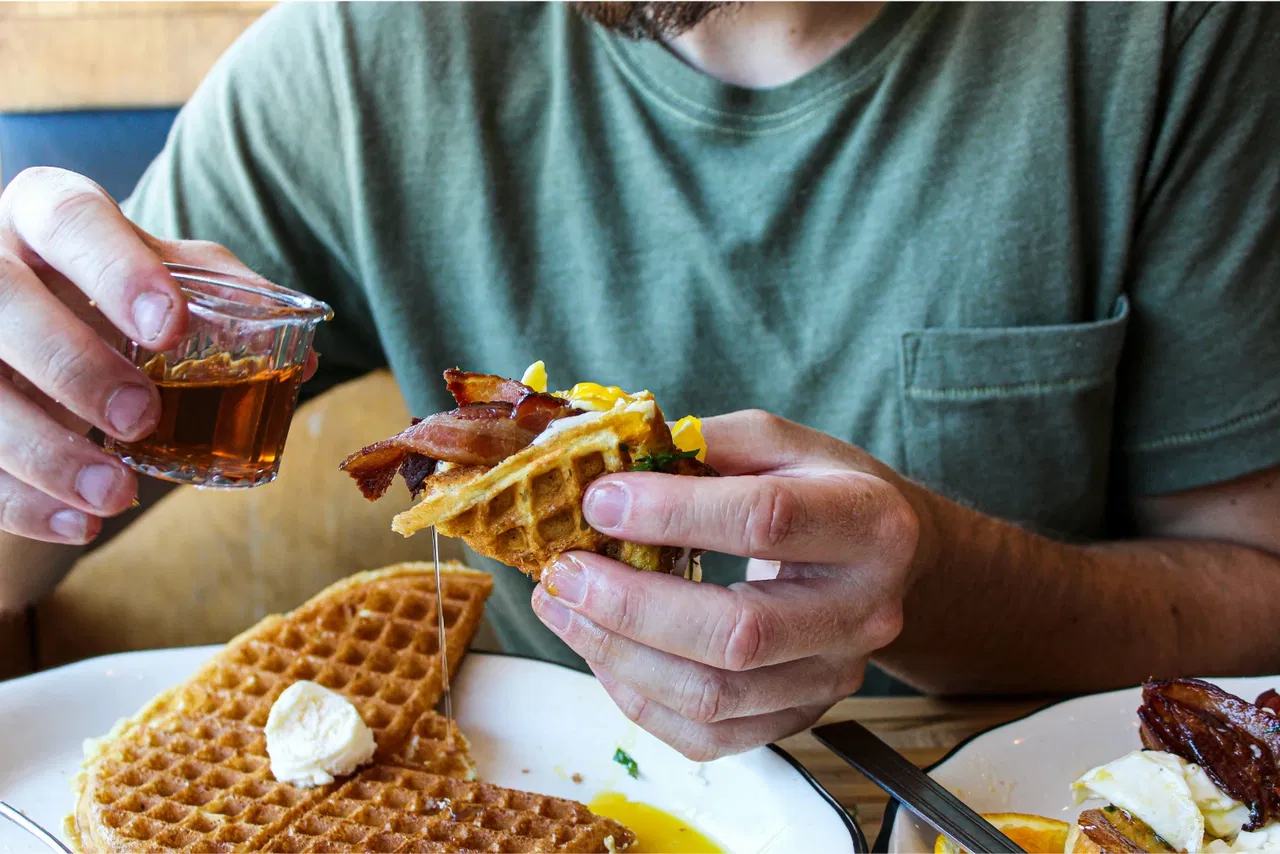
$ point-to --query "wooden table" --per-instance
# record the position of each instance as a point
(922, 729)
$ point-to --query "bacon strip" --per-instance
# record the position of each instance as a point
(467, 388)
(415, 469)
(1236, 742)
(536, 410)
(479, 434)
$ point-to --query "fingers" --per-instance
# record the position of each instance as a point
(753, 441)
(29, 513)
(739, 628)
(838, 517)
(703, 742)
(701, 693)
(46, 457)
(43, 340)
(73, 226)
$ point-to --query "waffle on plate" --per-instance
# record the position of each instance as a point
(190, 771)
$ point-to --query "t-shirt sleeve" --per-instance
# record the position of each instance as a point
(1199, 390)
(258, 161)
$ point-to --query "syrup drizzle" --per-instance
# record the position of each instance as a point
(444, 651)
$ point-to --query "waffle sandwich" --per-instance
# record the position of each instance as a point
(507, 470)
(191, 772)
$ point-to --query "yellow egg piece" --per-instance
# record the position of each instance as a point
(655, 830)
(687, 434)
(594, 397)
(535, 376)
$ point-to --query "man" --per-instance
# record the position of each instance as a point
(1015, 267)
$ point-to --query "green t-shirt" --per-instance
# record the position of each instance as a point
(1026, 254)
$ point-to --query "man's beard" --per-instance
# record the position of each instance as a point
(647, 20)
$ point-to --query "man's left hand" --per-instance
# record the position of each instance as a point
(714, 671)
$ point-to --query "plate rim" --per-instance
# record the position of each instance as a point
(881, 844)
(856, 835)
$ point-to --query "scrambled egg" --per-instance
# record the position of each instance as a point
(593, 397)
(687, 434)
(535, 376)
(1175, 798)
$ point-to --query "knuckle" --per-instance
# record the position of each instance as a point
(707, 743)
(70, 368)
(899, 528)
(69, 215)
(747, 637)
(770, 519)
(884, 626)
(699, 750)
(851, 682)
(705, 698)
(25, 181)
(12, 510)
(629, 611)
(30, 457)
(759, 419)
(633, 706)
(600, 647)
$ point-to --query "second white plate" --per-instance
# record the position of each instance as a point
(1028, 765)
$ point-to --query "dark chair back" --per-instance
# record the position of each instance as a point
(113, 147)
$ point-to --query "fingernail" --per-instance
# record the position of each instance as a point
(551, 612)
(96, 482)
(126, 407)
(567, 582)
(150, 310)
(69, 524)
(606, 505)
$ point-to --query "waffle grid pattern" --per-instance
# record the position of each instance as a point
(195, 784)
(392, 809)
(377, 647)
(527, 510)
(534, 520)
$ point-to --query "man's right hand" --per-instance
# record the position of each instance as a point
(76, 275)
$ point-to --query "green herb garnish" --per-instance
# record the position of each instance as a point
(620, 756)
(659, 461)
(1274, 728)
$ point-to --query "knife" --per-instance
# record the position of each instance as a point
(916, 790)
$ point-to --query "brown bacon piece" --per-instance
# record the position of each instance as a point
(415, 469)
(479, 434)
(536, 410)
(1236, 742)
(467, 388)
(1113, 830)
(1269, 699)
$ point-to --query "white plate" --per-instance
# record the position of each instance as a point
(1028, 766)
(518, 714)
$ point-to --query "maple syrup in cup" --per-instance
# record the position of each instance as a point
(228, 389)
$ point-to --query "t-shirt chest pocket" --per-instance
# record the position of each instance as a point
(1015, 422)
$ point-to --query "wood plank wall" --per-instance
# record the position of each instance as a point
(73, 55)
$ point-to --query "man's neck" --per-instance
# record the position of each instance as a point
(763, 45)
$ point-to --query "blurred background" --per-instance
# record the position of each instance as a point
(94, 88)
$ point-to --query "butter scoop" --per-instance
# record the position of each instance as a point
(314, 734)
